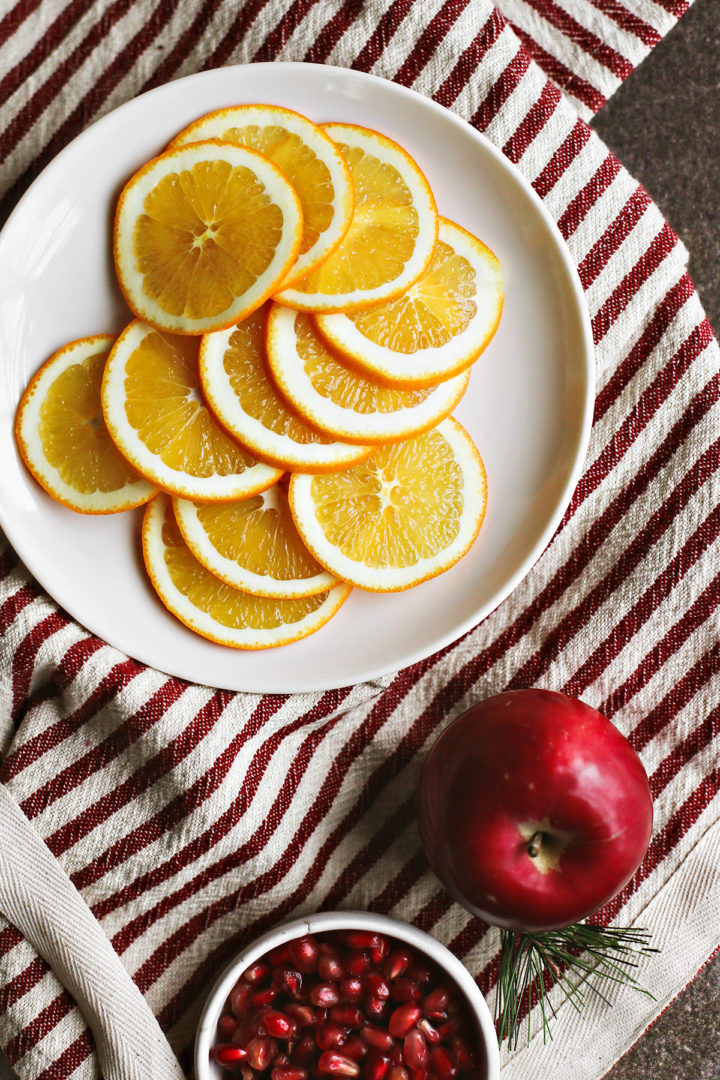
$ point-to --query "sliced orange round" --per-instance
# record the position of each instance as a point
(332, 397)
(203, 235)
(253, 545)
(239, 390)
(218, 611)
(156, 415)
(437, 328)
(405, 515)
(62, 435)
(391, 236)
(305, 155)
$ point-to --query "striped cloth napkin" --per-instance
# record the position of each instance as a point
(190, 819)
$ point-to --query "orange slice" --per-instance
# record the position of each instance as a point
(203, 235)
(391, 236)
(156, 415)
(405, 515)
(239, 390)
(305, 155)
(339, 401)
(253, 545)
(437, 328)
(62, 435)
(218, 611)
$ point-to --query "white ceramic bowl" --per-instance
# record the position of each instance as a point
(205, 1069)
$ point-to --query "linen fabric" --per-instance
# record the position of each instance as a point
(190, 819)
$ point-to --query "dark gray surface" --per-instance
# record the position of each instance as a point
(684, 1043)
(664, 125)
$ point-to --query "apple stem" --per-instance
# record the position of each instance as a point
(535, 844)
(532, 963)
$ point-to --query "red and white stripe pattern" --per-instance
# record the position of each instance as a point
(191, 819)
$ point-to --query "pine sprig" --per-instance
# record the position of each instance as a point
(531, 964)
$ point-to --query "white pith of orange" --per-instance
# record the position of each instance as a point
(62, 435)
(157, 417)
(253, 545)
(406, 514)
(305, 155)
(240, 391)
(203, 235)
(215, 610)
(391, 236)
(438, 328)
(337, 399)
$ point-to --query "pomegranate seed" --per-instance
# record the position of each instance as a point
(436, 1002)
(265, 996)
(463, 1054)
(260, 1052)
(379, 952)
(329, 966)
(347, 1003)
(376, 1036)
(416, 1050)
(288, 981)
(279, 956)
(244, 1032)
(403, 1019)
(332, 1064)
(357, 963)
(257, 974)
(351, 988)
(442, 1064)
(330, 1035)
(228, 1054)
(428, 1030)
(277, 1024)
(396, 1054)
(355, 1048)
(304, 952)
(377, 986)
(405, 990)
(325, 994)
(397, 963)
(420, 973)
(377, 1066)
(364, 939)
(258, 1019)
(376, 1009)
(226, 1026)
(303, 1015)
(288, 1072)
(448, 1029)
(239, 999)
(303, 1051)
(349, 1015)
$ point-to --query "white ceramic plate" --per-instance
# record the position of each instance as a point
(529, 405)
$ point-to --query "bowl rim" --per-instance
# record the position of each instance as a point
(342, 920)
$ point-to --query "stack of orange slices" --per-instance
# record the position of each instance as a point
(305, 324)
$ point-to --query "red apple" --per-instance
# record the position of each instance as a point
(534, 810)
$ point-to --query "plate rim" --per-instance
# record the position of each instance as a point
(588, 369)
